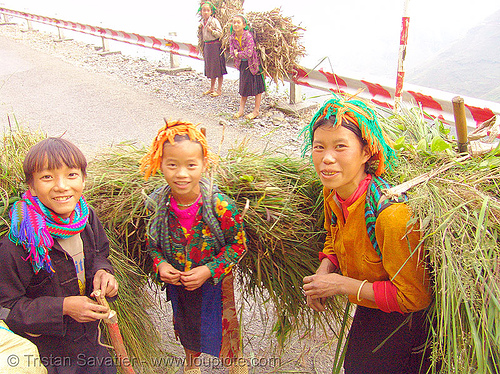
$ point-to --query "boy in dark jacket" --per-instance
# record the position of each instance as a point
(54, 258)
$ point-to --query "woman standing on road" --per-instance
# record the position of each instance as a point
(210, 30)
(246, 60)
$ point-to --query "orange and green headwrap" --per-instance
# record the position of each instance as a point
(356, 112)
(212, 6)
(151, 162)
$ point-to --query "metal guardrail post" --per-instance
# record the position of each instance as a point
(60, 33)
(6, 19)
(174, 59)
(295, 93)
(105, 44)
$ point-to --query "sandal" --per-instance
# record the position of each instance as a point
(215, 94)
(209, 92)
(251, 116)
(237, 115)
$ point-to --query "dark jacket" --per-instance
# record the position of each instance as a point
(36, 301)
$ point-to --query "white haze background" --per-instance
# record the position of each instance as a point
(360, 37)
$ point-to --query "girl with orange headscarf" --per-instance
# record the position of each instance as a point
(195, 237)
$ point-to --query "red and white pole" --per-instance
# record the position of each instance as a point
(401, 58)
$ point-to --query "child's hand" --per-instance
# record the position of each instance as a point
(106, 282)
(169, 274)
(195, 278)
(82, 309)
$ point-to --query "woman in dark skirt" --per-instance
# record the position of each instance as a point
(246, 60)
(210, 30)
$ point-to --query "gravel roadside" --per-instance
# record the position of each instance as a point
(181, 93)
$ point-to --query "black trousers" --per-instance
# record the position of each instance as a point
(405, 352)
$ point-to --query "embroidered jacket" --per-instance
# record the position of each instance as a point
(198, 246)
(246, 51)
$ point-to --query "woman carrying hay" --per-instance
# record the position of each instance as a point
(210, 30)
(242, 49)
(371, 252)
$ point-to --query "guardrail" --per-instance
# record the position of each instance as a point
(436, 104)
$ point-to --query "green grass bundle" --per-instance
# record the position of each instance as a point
(282, 224)
(458, 206)
(284, 228)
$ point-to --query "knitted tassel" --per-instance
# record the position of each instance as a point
(151, 162)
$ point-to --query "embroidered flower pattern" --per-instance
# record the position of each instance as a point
(206, 231)
(200, 243)
(180, 258)
(240, 237)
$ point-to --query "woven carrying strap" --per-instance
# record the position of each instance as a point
(375, 203)
(159, 203)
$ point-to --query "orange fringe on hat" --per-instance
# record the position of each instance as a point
(151, 162)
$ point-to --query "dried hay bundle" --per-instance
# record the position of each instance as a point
(278, 43)
(277, 38)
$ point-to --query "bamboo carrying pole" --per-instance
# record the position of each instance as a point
(115, 335)
(460, 123)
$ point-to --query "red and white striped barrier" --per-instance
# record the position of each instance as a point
(166, 45)
(436, 104)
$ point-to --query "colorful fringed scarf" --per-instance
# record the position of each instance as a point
(34, 226)
(358, 113)
(151, 162)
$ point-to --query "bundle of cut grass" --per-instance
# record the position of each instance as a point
(139, 334)
(457, 203)
(282, 192)
(284, 230)
(15, 144)
(116, 190)
(277, 38)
